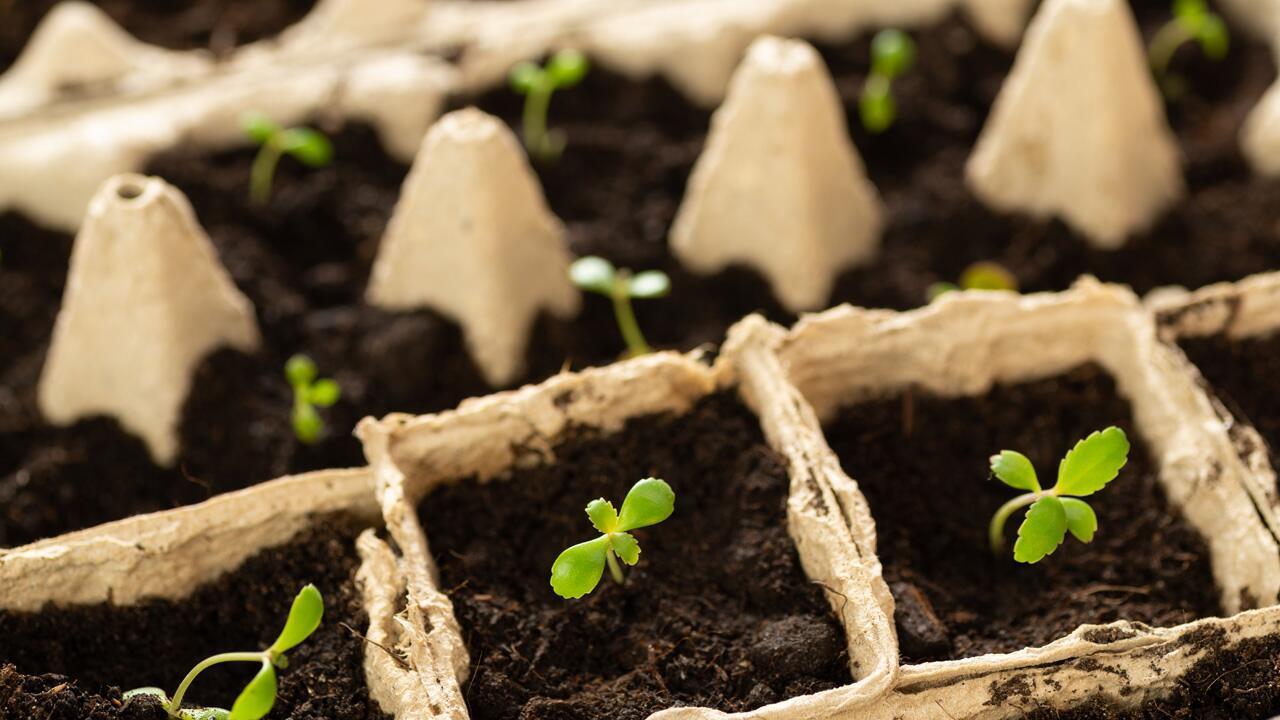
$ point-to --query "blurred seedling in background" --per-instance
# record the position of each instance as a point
(577, 571)
(892, 53)
(537, 83)
(1192, 21)
(309, 393)
(306, 145)
(598, 275)
(984, 275)
(259, 696)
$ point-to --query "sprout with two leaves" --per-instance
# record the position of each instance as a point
(982, 275)
(258, 697)
(1192, 21)
(306, 145)
(892, 53)
(577, 571)
(309, 393)
(1086, 469)
(537, 83)
(598, 275)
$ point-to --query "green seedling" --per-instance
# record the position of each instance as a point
(306, 145)
(1086, 469)
(577, 571)
(600, 276)
(257, 698)
(1192, 21)
(309, 393)
(892, 53)
(984, 275)
(537, 83)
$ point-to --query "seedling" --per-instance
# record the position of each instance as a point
(1192, 21)
(578, 570)
(563, 70)
(984, 275)
(600, 276)
(1086, 469)
(257, 698)
(892, 53)
(306, 145)
(309, 394)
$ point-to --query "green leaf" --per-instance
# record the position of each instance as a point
(988, 275)
(626, 547)
(148, 691)
(567, 68)
(258, 127)
(1015, 470)
(307, 424)
(304, 618)
(310, 147)
(258, 696)
(938, 289)
(593, 273)
(893, 52)
(649, 502)
(1081, 520)
(578, 569)
(324, 393)
(1043, 530)
(603, 517)
(207, 713)
(525, 77)
(649, 284)
(1092, 463)
(300, 371)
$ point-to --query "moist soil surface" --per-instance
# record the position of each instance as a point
(217, 25)
(70, 663)
(1240, 372)
(922, 462)
(717, 613)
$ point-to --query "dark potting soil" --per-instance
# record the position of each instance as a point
(922, 462)
(718, 612)
(70, 663)
(217, 25)
(1231, 682)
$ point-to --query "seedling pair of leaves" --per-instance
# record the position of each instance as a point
(1086, 469)
(1192, 21)
(595, 274)
(309, 393)
(538, 83)
(577, 571)
(306, 145)
(259, 696)
(983, 275)
(892, 53)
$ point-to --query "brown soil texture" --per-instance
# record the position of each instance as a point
(717, 613)
(922, 462)
(73, 661)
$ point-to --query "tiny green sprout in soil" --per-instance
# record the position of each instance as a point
(537, 83)
(893, 52)
(982, 275)
(306, 145)
(577, 571)
(1192, 21)
(309, 393)
(598, 275)
(258, 697)
(1086, 469)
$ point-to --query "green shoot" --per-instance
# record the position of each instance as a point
(892, 53)
(1086, 469)
(307, 146)
(578, 570)
(983, 275)
(600, 276)
(1192, 21)
(563, 70)
(257, 698)
(309, 393)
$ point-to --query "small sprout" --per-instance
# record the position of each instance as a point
(578, 570)
(600, 276)
(1086, 469)
(983, 275)
(309, 394)
(563, 70)
(307, 146)
(892, 53)
(1192, 21)
(257, 698)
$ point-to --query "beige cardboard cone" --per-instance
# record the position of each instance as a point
(780, 186)
(1078, 130)
(472, 238)
(146, 300)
